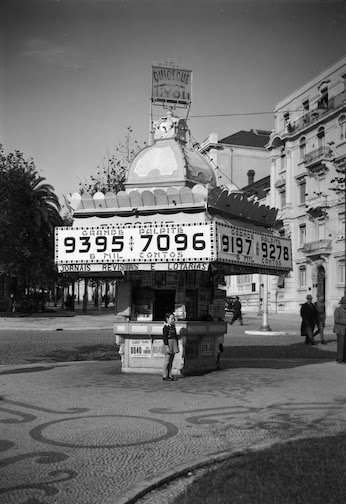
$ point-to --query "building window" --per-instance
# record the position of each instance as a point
(342, 127)
(306, 108)
(321, 137)
(341, 272)
(244, 282)
(341, 233)
(282, 193)
(321, 231)
(302, 235)
(281, 282)
(323, 101)
(306, 105)
(244, 279)
(282, 163)
(302, 148)
(287, 122)
(302, 276)
(302, 191)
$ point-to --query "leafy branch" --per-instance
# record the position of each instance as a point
(112, 171)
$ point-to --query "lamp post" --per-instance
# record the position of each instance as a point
(259, 312)
(265, 325)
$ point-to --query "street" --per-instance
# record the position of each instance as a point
(81, 432)
(26, 347)
(40, 346)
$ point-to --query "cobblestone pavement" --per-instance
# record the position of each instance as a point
(83, 432)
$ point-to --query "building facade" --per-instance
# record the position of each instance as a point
(307, 145)
(240, 159)
(242, 164)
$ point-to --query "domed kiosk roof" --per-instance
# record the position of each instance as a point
(169, 163)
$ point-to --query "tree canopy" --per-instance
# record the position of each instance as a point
(29, 211)
(111, 174)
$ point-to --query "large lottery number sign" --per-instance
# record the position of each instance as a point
(155, 243)
(244, 246)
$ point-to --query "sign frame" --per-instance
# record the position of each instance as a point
(171, 85)
(245, 246)
(137, 244)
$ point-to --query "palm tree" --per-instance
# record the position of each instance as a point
(43, 209)
(45, 206)
(29, 212)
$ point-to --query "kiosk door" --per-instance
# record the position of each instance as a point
(164, 302)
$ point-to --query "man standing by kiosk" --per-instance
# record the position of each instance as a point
(308, 314)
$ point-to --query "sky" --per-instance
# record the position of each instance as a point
(74, 74)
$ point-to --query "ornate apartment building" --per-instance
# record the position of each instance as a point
(306, 147)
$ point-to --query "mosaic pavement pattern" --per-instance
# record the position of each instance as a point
(85, 433)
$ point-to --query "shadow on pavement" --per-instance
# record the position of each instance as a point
(227, 363)
(26, 370)
(98, 352)
(293, 351)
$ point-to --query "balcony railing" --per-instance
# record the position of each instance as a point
(317, 155)
(314, 115)
(317, 247)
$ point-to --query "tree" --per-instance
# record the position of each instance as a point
(111, 174)
(340, 178)
(29, 212)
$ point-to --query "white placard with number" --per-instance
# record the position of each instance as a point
(168, 242)
(238, 245)
(140, 348)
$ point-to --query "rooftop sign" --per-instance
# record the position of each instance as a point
(171, 85)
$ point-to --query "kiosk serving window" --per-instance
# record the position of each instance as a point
(164, 302)
(190, 295)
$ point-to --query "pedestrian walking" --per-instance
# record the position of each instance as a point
(237, 315)
(320, 309)
(170, 340)
(12, 305)
(308, 314)
(340, 330)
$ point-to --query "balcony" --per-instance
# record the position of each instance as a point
(317, 212)
(313, 116)
(317, 248)
(317, 157)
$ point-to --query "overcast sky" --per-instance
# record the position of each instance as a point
(76, 73)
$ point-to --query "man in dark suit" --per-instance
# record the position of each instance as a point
(237, 312)
(308, 314)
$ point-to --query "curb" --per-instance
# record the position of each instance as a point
(272, 333)
(80, 328)
(149, 484)
(279, 333)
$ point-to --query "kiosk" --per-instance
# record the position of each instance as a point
(169, 239)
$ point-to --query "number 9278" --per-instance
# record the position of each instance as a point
(238, 245)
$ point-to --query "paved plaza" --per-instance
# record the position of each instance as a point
(83, 432)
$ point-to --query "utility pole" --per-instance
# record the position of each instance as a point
(265, 325)
(259, 313)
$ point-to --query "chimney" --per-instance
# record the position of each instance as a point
(251, 176)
